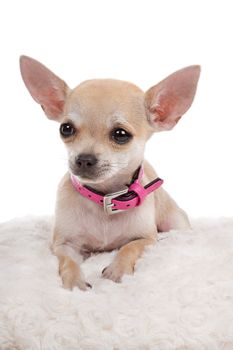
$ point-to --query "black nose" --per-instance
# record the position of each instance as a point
(85, 161)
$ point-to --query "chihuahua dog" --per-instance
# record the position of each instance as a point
(111, 197)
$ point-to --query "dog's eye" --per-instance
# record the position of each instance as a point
(121, 136)
(67, 130)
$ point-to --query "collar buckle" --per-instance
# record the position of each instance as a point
(108, 205)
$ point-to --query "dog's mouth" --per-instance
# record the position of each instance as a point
(96, 174)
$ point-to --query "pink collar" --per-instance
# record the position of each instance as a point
(130, 197)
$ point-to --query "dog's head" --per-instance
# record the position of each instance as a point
(106, 123)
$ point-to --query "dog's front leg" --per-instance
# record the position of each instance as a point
(126, 258)
(69, 265)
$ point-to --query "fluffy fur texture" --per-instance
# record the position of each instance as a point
(180, 297)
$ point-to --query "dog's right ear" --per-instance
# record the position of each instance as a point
(45, 87)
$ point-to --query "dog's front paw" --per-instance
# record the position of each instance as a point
(116, 270)
(71, 280)
(72, 276)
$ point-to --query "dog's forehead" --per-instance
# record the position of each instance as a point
(105, 99)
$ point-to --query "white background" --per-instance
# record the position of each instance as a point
(138, 41)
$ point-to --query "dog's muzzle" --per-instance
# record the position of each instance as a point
(85, 165)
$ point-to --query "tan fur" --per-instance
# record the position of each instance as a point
(126, 258)
(70, 273)
(95, 108)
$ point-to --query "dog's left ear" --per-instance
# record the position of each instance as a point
(167, 101)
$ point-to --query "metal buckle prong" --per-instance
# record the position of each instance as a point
(108, 205)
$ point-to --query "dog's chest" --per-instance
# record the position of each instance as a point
(94, 230)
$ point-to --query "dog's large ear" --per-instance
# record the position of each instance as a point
(45, 87)
(167, 101)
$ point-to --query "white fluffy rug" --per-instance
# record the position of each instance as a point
(180, 297)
